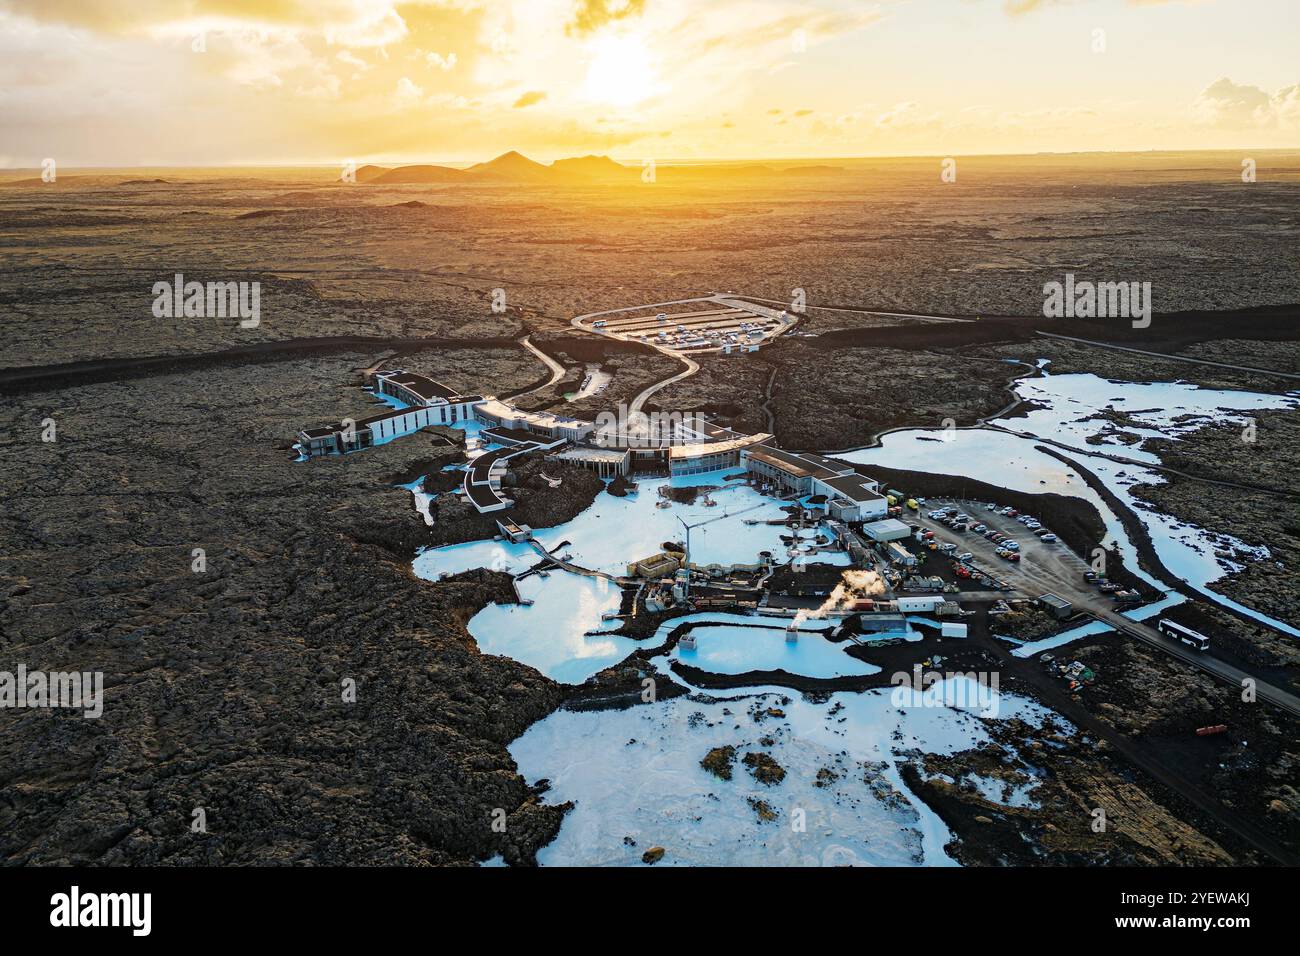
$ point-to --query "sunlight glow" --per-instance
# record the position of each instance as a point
(621, 71)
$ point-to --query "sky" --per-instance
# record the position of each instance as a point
(222, 82)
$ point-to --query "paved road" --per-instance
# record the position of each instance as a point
(692, 367)
(1173, 358)
(1202, 660)
(557, 370)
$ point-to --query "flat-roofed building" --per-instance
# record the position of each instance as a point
(890, 529)
(605, 462)
(1056, 605)
(414, 389)
(792, 471)
(353, 435)
(495, 413)
(660, 565)
(701, 457)
(425, 402)
(850, 496)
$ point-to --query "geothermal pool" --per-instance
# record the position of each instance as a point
(739, 649)
(552, 634)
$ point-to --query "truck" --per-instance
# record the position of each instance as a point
(911, 503)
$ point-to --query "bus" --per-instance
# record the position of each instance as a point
(1178, 632)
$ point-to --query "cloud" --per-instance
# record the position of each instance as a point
(591, 15)
(897, 114)
(440, 61)
(408, 92)
(1017, 8)
(803, 112)
(340, 22)
(1238, 105)
(352, 60)
(530, 98)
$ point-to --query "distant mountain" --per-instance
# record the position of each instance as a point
(512, 165)
(416, 174)
(366, 173)
(591, 167)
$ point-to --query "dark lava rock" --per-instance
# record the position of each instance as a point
(764, 769)
(719, 761)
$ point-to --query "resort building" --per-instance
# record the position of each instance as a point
(850, 496)
(349, 435)
(677, 445)
(417, 390)
(605, 462)
(482, 484)
(494, 413)
(711, 455)
(426, 403)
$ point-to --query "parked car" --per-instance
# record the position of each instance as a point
(965, 556)
(1049, 537)
(980, 528)
(1011, 545)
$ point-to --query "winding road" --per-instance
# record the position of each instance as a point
(557, 370)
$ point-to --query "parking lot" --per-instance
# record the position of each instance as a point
(713, 323)
(1043, 566)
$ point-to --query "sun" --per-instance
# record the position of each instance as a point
(622, 71)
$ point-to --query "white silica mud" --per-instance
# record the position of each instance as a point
(636, 780)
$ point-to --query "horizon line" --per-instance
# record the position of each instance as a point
(671, 161)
